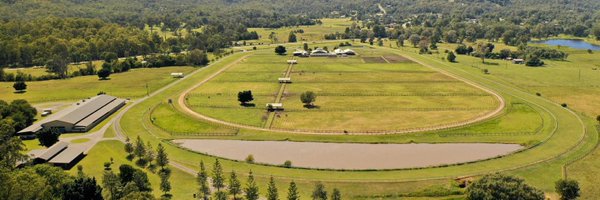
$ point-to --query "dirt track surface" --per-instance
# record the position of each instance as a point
(347, 155)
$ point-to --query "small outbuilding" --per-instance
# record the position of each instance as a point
(518, 61)
(300, 53)
(177, 75)
(292, 61)
(285, 80)
(274, 106)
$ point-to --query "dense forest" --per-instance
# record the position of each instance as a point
(36, 32)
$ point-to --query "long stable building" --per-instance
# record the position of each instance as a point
(60, 154)
(81, 117)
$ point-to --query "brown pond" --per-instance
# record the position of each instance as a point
(349, 156)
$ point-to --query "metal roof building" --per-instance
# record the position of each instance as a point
(60, 154)
(81, 117)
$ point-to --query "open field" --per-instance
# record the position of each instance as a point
(352, 96)
(311, 33)
(130, 84)
(560, 140)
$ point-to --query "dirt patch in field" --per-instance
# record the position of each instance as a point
(396, 59)
(374, 60)
(349, 156)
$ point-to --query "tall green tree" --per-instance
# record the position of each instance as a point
(336, 194)
(308, 98)
(48, 137)
(319, 193)
(272, 193)
(202, 179)
(497, 186)
(293, 192)
(111, 185)
(10, 147)
(292, 37)
(139, 149)
(82, 188)
(234, 185)
(451, 57)
(20, 86)
(165, 184)
(218, 179)
(162, 160)
(567, 189)
(280, 50)
(245, 96)
(251, 189)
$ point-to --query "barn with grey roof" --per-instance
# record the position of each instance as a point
(81, 117)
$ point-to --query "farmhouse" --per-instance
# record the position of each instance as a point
(300, 53)
(285, 80)
(81, 117)
(60, 154)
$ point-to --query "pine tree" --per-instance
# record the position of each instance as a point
(293, 192)
(319, 193)
(272, 190)
(165, 185)
(139, 149)
(150, 155)
(204, 190)
(251, 189)
(162, 159)
(218, 181)
(234, 185)
(336, 194)
(128, 148)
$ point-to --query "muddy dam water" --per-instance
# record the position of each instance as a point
(349, 155)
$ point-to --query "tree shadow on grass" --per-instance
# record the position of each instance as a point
(491, 63)
(20, 92)
(312, 106)
(248, 105)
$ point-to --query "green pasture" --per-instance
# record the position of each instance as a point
(561, 140)
(311, 33)
(355, 96)
(133, 84)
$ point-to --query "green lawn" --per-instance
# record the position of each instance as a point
(130, 84)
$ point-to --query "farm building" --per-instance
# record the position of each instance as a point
(321, 53)
(300, 53)
(347, 52)
(285, 80)
(177, 75)
(81, 117)
(518, 61)
(60, 154)
(275, 106)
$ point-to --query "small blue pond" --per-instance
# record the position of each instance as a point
(576, 44)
